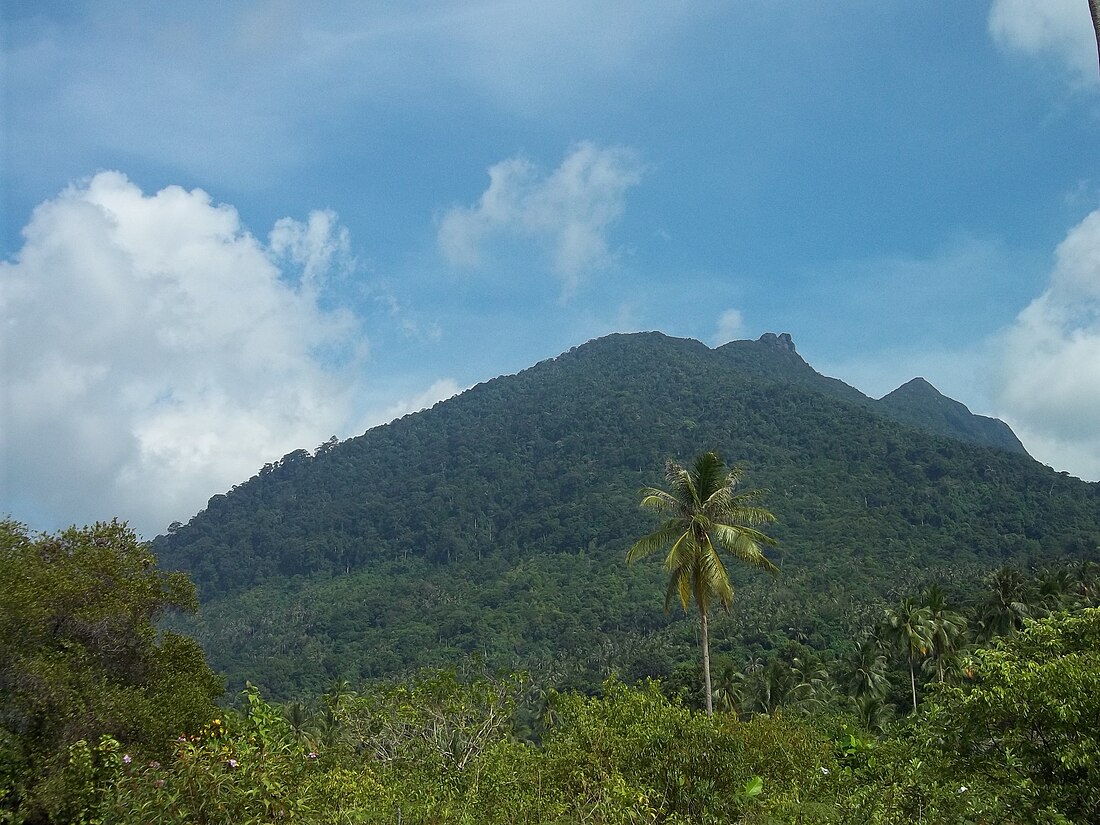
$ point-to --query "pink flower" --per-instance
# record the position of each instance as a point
(312, 754)
(232, 763)
(126, 760)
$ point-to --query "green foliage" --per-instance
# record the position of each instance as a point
(246, 768)
(435, 723)
(1012, 744)
(81, 659)
(516, 505)
(1028, 715)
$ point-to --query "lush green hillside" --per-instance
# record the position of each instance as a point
(497, 522)
(922, 405)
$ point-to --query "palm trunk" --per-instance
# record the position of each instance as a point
(706, 662)
(913, 682)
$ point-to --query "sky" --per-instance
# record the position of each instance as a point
(234, 230)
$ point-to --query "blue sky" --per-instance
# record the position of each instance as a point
(233, 230)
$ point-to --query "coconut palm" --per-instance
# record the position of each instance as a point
(303, 724)
(873, 711)
(1011, 598)
(867, 675)
(909, 626)
(947, 627)
(704, 513)
(813, 684)
(729, 690)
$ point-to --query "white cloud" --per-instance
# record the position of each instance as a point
(1061, 29)
(440, 390)
(567, 212)
(1049, 381)
(731, 325)
(316, 246)
(155, 352)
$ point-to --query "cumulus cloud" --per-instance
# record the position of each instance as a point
(567, 213)
(1050, 373)
(1061, 29)
(155, 352)
(318, 246)
(731, 325)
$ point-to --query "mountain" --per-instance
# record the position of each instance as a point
(496, 523)
(922, 405)
(916, 403)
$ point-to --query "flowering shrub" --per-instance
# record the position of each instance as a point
(242, 768)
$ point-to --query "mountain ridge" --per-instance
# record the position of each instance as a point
(497, 521)
(919, 403)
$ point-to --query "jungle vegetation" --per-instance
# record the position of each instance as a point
(433, 622)
(106, 720)
(495, 524)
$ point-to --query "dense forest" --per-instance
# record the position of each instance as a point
(106, 719)
(436, 621)
(496, 523)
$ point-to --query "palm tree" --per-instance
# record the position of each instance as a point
(909, 626)
(704, 512)
(873, 710)
(729, 690)
(867, 675)
(1011, 598)
(302, 723)
(813, 684)
(947, 628)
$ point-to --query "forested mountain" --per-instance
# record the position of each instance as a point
(497, 522)
(919, 403)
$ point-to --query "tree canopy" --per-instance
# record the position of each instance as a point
(80, 652)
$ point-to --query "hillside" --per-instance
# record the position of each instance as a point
(919, 403)
(496, 522)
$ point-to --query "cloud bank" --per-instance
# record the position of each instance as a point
(154, 352)
(567, 213)
(1049, 388)
(1060, 29)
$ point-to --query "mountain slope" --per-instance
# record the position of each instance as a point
(922, 405)
(497, 521)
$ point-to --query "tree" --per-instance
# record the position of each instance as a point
(1010, 599)
(704, 512)
(867, 675)
(1027, 718)
(909, 627)
(81, 656)
(946, 628)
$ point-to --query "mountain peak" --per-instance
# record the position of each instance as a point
(781, 342)
(918, 402)
(918, 384)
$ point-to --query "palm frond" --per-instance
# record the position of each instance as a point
(744, 543)
(713, 576)
(655, 541)
(709, 476)
(680, 482)
(679, 586)
(653, 498)
(682, 553)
